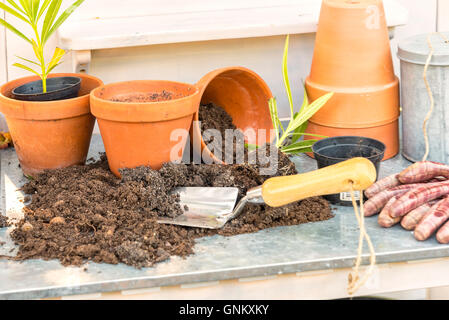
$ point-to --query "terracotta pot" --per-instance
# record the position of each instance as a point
(244, 95)
(139, 133)
(50, 134)
(352, 58)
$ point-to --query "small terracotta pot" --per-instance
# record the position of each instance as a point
(352, 58)
(50, 134)
(139, 133)
(244, 95)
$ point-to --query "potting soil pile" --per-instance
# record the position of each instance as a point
(3, 221)
(85, 213)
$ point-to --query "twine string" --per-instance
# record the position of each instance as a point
(354, 280)
(429, 91)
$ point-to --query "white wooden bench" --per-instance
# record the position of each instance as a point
(147, 22)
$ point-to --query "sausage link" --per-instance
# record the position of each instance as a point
(383, 184)
(417, 197)
(438, 215)
(411, 219)
(423, 171)
(384, 219)
(443, 234)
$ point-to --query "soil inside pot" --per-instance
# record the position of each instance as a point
(147, 97)
(85, 213)
(215, 117)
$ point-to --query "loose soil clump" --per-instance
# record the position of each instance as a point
(84, 213)
(3, 221)
(215, 117)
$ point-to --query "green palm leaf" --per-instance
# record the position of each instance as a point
(15, 5)
(26, 6)
(299, 146)
(289, 142)
(50, 17)
(285, 75)
(43, 8)
(14, 30)
(19, 65)
(59, 53)
(13, 12)
(34, 8)
(28, 60)
(62, 18)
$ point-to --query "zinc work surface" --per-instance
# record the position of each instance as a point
(277, 252)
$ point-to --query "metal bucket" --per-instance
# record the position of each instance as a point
(413, 53)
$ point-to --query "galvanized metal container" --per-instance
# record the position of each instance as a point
(413, 53)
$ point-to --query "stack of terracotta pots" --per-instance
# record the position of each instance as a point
(352, 58)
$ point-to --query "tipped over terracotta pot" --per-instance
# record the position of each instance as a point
(244, 95)
(49, 134)
(137, 119)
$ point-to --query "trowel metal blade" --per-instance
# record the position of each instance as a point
(204, 207)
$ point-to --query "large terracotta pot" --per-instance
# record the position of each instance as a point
(352, 58)
(140, 133)
(50, 134)
(244, 95)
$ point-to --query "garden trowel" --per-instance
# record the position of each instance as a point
(210, 207)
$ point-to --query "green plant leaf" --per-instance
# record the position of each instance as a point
(299, 131)
(51, 68)
(58, 54)
(34, 9)
(307, 113)
(285, 76)
(19, 65)
(14, 30)
(15, 5)
(251, 146)
(62, 18)
(303, 127)
(299, 146)
(26, 7)
(272, 105)
(13, 12)
(298, 152)
(50, 17)
(43, 8)
(309, 134)
(28, 60)
(37, 52)
(305, 101)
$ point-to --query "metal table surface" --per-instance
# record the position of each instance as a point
(323, 245)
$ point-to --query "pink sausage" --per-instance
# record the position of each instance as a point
(438, 215)
(417, 197)
(443, 234)
(383, 184)
(376, 203)
(384, 219)
(423, 171)
(411, 219)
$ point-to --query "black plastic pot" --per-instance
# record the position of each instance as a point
(58, 88)
(337, 149)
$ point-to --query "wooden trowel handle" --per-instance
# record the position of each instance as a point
(337, 178)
